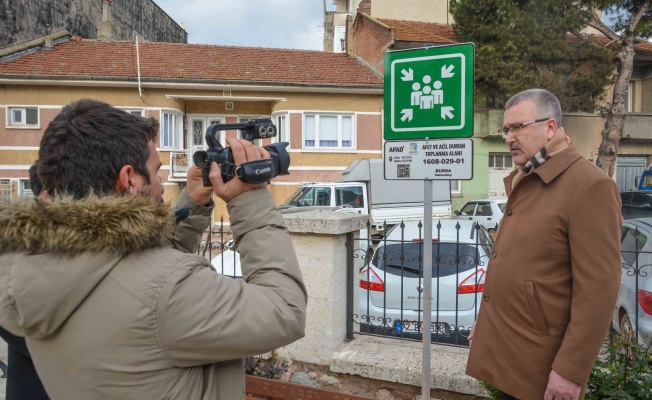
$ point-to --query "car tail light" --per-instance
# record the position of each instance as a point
(370, 280)
(645, 301)
(474, 283)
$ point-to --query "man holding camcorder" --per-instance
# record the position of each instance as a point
(98, 277)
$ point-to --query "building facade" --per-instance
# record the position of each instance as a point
(328, 106)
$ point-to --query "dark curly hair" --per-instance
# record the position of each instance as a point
(86, 145)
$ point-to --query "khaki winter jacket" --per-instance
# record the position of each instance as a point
(552, 280)
(110, 310)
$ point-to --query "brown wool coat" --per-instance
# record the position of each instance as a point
(553, 278)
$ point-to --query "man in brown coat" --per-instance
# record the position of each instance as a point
(554, 271)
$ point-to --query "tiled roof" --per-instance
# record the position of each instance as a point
(182, 61)
(426, 32)
(641, 48)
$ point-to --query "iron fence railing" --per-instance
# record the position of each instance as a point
(385, 281)
(180, 160)
(632, 318)
(217, 247)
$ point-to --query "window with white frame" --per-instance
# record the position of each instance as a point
(23, 116)
(629, 104)
(25, 189)
(282, 128)
(135, 111)
(170, 129)
(497, 160)
(5, 189)
(328, 131)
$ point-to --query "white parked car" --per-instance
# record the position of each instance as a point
(487, 212)
(635, 303)
(390, 286)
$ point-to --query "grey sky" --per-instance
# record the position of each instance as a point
(293, 24)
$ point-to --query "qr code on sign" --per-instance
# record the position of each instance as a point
(403, 170)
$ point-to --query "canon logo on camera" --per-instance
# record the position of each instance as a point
(262, 171)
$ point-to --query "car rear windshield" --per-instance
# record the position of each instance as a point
(447, 259)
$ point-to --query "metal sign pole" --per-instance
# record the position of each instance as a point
(427, 288)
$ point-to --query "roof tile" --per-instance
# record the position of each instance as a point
(182, 61)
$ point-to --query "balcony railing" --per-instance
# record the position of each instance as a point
(180, 160)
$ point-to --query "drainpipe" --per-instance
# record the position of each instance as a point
(140, 90)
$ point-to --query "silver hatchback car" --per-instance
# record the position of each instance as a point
(390, 289)
(633, 312)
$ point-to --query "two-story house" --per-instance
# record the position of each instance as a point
(326, 105)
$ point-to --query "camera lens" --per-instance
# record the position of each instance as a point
(262, 130)
(270, 130)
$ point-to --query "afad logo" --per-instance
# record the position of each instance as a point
(396, 149)
(414, 148)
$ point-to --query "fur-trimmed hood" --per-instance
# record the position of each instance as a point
(53, 254)
(121, 224)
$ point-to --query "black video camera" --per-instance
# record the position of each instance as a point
(253, 172)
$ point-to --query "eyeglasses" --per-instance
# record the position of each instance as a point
(517, 127)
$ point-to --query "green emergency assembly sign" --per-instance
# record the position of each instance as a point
(429, 92)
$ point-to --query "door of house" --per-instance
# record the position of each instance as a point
(500, 165)
(197, 125)
(628, 171)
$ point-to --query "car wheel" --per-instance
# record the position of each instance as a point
(627, 332)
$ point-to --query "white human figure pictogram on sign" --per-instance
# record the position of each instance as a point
(416, 94)
(437, 94)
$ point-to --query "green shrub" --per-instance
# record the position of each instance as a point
(623, 373)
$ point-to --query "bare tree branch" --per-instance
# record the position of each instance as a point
(601, 27)
(636, 18)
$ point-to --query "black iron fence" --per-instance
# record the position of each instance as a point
(217, 246)
(632, 319)
(386, 297)
(385, 293)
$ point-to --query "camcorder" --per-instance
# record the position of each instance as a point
(252, 172)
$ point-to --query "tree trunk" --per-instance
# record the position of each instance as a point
(613, 127)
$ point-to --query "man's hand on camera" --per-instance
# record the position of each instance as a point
(243, 151)
(195, 188)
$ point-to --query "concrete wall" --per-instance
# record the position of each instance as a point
(319, 239)
(23, 20)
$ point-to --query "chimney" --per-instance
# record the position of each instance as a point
(48, 38)
(104, 31)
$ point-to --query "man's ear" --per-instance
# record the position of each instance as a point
(552, 129)
(125, 181)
